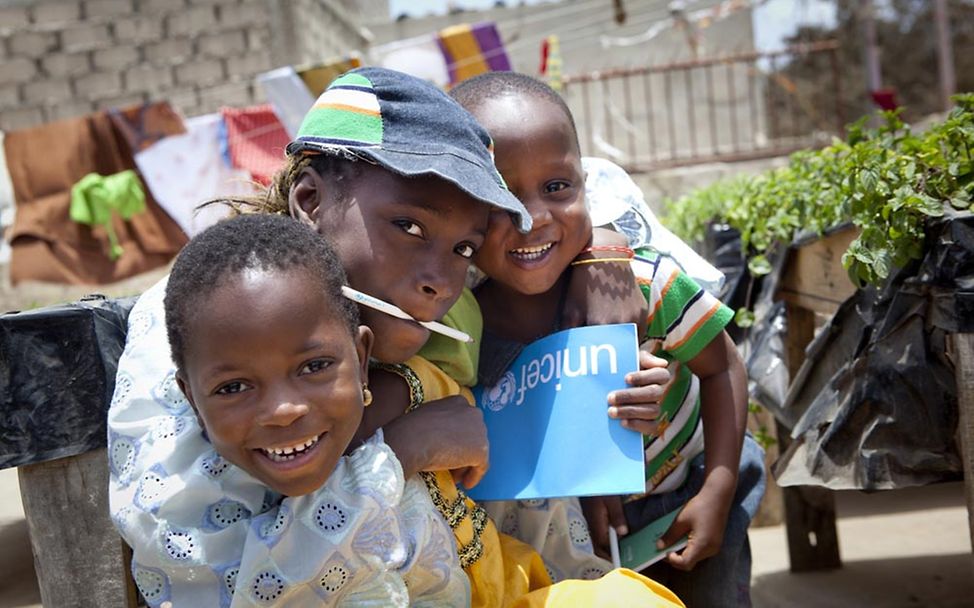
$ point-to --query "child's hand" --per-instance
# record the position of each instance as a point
(446, 434)
(638, 407)
(704, 519)
(600, 513)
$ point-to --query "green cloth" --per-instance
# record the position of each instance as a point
(458, 359)
(96, 198)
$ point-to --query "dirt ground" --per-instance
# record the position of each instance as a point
(31, 295)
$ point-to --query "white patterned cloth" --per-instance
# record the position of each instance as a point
(615, 201)
(183, 171)
(556, 528)
(206, 533)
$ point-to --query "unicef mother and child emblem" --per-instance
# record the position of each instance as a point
(501, 394)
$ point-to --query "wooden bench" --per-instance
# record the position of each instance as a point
(56, 377)
(814, 281)
(79, 557)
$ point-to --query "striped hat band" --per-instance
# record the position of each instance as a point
(346, 114)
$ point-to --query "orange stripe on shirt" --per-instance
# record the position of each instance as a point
(689, 334)
(662, 294)
(347, 108)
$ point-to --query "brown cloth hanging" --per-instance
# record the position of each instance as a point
(144, 124)
(44, 163)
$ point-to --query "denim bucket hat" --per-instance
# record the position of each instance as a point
(409, 127)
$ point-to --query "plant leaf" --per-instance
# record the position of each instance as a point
(744, 318)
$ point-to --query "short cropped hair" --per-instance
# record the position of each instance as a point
(471, 93)
(248, 242)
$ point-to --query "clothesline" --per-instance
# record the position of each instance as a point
(720, 11)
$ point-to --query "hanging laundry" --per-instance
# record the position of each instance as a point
(551, 62)
(97, 199)
(288, 95)
(317, 76)
(420, 57)
(45, 162)
(186, 170)
(473, 49)
(145, 124)
(256, 139)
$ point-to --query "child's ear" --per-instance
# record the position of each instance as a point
(306, 196)
(363, 345)
(184, 386)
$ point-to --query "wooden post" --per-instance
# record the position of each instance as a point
(963, 347)
(78, 554)
(813, 541)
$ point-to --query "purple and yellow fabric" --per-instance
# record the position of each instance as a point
(470, 50)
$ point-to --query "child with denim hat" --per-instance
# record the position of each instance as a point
(396, 175)
(704, 405)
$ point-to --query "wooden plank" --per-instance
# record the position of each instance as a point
(813, 541)
(963, 347)
(78, 555)
(800, 325)
(814, 278)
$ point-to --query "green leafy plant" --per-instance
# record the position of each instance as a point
(887, 181)
(762, 435)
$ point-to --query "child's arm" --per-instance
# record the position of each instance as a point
(603, 293)
(723, 403)
(445, 434)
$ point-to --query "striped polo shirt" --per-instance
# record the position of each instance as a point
(683, 319)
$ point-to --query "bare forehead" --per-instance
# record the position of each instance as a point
(521, 115)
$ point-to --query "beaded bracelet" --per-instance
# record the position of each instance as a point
(626, 250)
(595, 260)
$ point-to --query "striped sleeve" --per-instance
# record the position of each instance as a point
(682, 315)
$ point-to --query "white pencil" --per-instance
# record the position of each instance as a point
(390, 309)
(614, 547)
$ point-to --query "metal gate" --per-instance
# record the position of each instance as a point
(728, 108)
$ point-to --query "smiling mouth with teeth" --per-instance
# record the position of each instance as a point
(531, 253)
(290, 452)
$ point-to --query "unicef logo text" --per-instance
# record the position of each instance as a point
(550, 367)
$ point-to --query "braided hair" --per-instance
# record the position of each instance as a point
(336, 169)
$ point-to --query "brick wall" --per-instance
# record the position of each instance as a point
(65, 58)
(327, 29)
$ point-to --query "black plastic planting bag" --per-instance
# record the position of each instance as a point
(57, 375)
(761, 345)
(874, 406)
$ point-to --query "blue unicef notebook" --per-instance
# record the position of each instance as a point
(549, 432)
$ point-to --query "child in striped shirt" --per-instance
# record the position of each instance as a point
(705, 401)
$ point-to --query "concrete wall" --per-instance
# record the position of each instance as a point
(65, 58)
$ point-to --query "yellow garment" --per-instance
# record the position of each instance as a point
(621, 588)
(503, 571)
(501, 568)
